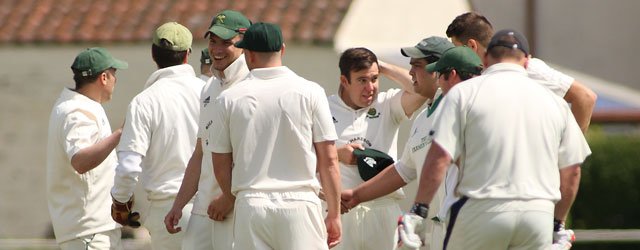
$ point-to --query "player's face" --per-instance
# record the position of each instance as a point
(111, 84)
(424, 83)
(361, 89)
(446, 83)
(222, 52)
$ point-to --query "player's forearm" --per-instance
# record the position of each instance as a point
(90, 157)
(329, 172)
(126, 176)
(189, 185)
(433, 172)
(582, 100)
(397, 74)
(384, 183)
(222, 165)
(569, 184)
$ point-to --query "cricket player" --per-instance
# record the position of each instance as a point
(520, 151)
(229, 67)
(159, 135)
(275, 129)
(474, 31)
(80, 156)
(462, 64)
(366, 118)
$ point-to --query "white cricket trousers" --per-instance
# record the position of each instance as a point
(499, 224)
(370, 225)
(154, 223)
(107, 240)
(204, 233)
(279, 220)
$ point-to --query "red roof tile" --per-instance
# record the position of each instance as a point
(26, 21)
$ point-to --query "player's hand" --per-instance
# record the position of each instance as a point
(334, 231)
(348, 200)
(345, 153)
(121, 213)
(220, 207)
(562, 238)
(410, 230)
(172, 219)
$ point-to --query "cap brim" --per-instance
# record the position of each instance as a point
(412, 52)
(221, 32)
(431, 67)
(119, 64)
(240, 44)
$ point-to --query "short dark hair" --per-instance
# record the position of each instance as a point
(82, 81)
(471, 25)
(356, 59)
(166, 57)
(500, 52)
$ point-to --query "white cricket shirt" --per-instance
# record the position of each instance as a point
(512, 135)
(78, 203)
(161, 126)
(374, 127)
(270, 122)
(207, 185)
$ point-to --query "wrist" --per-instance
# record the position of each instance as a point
(558, 225)
(420, 209)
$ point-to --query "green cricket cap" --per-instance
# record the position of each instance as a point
(95, 60)
(227, 24)
(204, 56)
(262, 37)
(430, 46)
(460, 58)
(371, 162)
(173, 36)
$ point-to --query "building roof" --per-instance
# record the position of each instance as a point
(62, 21)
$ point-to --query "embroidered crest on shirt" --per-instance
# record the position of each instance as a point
(373, 113)
(206, 101)
(334, 119)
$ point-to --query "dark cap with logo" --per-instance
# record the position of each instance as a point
(227, 24)
(92, 61)
(262, 37)
(430, 46)
(204, 56)
(461, 58)
(371, 162)
(510, 39)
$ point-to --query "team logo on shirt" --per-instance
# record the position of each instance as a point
(208, 125)
(334, 119)
(206, 101)
(373, 113)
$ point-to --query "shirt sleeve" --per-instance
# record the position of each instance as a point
(573, 146)
(80, 132)
(449, 124)
(394, 97)
(219, 138)
(556, 81)
(136, 133)
(323, 128)
(126, 177)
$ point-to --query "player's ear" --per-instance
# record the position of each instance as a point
(103, 77)
(473, 44)
(282, 50)
(344, 82)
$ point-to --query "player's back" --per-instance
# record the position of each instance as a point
(273, 124)
(513, 133)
